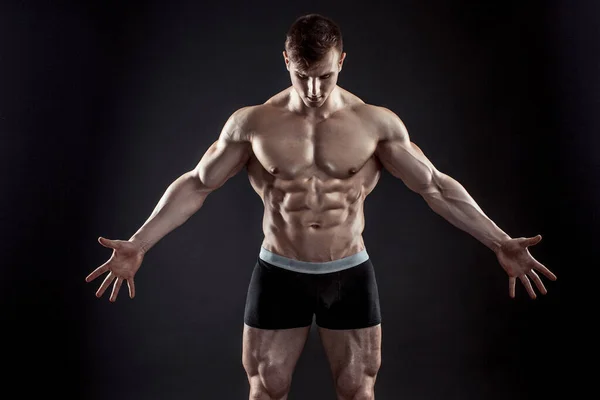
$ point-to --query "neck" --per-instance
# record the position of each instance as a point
(332, 104)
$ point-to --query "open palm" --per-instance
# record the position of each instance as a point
(516, 260)
(124, 262)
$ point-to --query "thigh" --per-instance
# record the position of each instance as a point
(278, 298)
(354, 357)
(272, 355)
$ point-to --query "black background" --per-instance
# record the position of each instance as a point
(104, 104)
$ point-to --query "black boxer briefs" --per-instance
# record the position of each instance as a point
(280, 298)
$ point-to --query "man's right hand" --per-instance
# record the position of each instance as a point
(126, 259)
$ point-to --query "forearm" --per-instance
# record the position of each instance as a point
(450, 200)
(184, 197)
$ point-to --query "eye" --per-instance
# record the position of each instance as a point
(301, 76)
(326, 76)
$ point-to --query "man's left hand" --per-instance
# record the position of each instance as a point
(516, 260)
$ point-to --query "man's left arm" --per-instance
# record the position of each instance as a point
(448, 198)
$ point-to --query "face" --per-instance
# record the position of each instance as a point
(318, 81)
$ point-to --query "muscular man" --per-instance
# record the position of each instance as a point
(313, 152)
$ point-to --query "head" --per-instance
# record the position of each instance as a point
(314, 56)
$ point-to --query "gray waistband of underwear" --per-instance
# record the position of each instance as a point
(313, 267)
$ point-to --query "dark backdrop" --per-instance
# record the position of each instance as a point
(104, 104)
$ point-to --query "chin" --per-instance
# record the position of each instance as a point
(314, 104)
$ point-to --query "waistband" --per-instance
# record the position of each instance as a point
(313, 267)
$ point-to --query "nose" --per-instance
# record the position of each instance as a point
(314, 88)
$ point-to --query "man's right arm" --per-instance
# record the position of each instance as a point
(186, 195)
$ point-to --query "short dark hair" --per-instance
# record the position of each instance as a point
(310, 37)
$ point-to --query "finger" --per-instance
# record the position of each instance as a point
(107, 281)
(111, 244)
(115, 291)
(511, 286)
(538, 281)
(97, 272)
(528, 286)
(537, 265)
(131, 285)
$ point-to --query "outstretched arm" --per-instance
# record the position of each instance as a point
(186, 195)
(449, 199)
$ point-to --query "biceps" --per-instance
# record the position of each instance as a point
(406, 161)
(222, 160)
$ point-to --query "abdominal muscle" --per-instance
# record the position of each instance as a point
(314, 221)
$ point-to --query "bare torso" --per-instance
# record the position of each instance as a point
(313, 176)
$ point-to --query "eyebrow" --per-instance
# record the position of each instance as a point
(304, 73)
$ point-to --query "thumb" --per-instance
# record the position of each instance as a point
(107, 242)
(534, 240)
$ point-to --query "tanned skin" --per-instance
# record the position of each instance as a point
(313, 163)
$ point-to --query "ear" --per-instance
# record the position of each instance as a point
(287, 60)
(341, 62)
